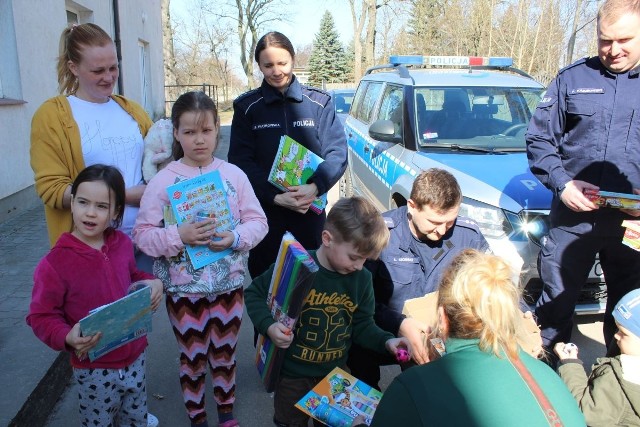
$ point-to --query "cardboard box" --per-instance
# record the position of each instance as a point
(425, 310)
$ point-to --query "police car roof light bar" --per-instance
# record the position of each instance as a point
(452, 61)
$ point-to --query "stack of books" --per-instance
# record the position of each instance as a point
(291, 281)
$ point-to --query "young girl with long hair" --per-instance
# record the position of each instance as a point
(205, 305)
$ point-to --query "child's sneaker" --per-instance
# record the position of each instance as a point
(152, 420)
(230, 423)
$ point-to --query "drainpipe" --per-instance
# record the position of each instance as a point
(116, 40)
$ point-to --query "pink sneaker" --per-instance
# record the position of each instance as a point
(230, 423)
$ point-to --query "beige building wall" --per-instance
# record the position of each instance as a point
(29, 37)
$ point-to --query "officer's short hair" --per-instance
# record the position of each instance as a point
(357, 221)
(437, 189)
(612, 10)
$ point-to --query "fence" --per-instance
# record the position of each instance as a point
(172, 92)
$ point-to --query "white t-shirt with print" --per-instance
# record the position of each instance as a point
(109, 135)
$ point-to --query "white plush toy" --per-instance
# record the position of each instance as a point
(157, 148)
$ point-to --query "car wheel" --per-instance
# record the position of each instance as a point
(346, 187)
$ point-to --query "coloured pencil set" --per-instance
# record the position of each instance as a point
(291, 281)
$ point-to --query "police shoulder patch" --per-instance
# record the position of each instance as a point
(316, 94)
(389, 222)
(575, 64)
(247, 95)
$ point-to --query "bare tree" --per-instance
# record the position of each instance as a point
(250, 17)
(367, 14)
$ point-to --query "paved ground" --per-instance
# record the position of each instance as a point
(36, 391)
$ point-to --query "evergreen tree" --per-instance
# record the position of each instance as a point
(328, 62)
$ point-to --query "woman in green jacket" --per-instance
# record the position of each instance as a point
(484, 379)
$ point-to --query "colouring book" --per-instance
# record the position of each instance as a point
(291, 281)
(120, 322)
(193, 199)
(340, 397)
(294, 164)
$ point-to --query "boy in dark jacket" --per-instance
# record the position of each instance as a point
(338, 310)
(611, 394)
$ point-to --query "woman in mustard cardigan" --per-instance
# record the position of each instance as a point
(86, 124)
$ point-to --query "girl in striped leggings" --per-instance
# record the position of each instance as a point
(204, 304)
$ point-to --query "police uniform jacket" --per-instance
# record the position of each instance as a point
(587, 127)
(400, 273)
(263, 115)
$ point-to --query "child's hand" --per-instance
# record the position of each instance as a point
(566, 351)
(197, 233)
(81, 344)
(414, 330)
(394, 344)
(156, 292)
(281, 336)
(223, 240)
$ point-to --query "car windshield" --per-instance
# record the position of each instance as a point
(494, 118)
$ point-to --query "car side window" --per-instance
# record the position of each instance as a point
(365, 101)
(391, 108)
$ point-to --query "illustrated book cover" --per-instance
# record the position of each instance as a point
(294, 164)
(631, 236)
(291, 281)
(340, 397)
(198, 198)
(120, 322)
(613, 200)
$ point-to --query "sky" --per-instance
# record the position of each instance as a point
(304, 17)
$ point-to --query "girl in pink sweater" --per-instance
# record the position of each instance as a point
(92, 266)
(205, 305)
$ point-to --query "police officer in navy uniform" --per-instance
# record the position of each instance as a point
(282, 106)
(585, 134)
(426, 235)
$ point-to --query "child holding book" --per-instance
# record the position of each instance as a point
(91, 266)
(204, 305)
(338, 310)
(610, 396)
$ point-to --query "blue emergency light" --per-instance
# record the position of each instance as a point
(451, 61)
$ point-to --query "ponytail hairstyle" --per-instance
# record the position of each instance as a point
(72, 41)
(481, 301)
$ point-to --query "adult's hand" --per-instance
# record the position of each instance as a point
(633, 212)
(289, 201)
(573, 197)
(414, 330)
(134, 194)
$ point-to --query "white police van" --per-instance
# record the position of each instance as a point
(467, 115)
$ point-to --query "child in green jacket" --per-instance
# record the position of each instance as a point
(338, 310)
(610, 396)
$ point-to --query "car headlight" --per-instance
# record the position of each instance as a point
(491, 220)
(535, 224)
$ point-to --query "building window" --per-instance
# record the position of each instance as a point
(72, 17)
(10, 85)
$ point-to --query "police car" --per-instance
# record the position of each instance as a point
(467, 115)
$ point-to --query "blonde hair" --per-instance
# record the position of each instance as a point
(612, 10)
(481, 301)
(355, 220)
(72, 41)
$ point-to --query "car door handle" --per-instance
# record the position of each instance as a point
(367, 149)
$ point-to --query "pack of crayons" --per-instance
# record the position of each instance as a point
(291, 281)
